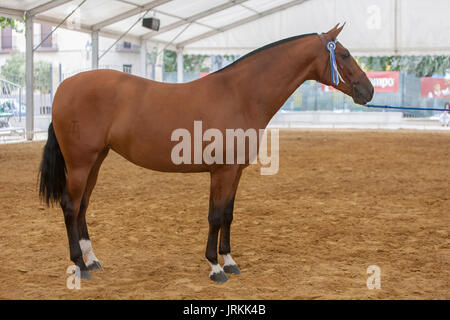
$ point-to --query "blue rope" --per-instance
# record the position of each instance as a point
(404, 108)
(331, 46)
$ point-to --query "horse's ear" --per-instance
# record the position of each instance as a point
(333, 33)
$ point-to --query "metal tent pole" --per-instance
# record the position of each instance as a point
(180, 66)
(29, 71)
(95, 57)
(144, 58)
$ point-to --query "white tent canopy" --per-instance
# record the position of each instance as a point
(382, 27)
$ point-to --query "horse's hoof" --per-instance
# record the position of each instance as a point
(219, 277)
(232, 269)
(95, 266)
(85, 275)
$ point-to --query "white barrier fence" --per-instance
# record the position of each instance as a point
(305, 119)
(351, 120)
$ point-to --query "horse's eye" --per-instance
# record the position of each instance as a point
(346, 55)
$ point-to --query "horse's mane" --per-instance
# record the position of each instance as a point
(270, 45)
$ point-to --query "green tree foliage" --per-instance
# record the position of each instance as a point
(420, 66)
(192, 62)
(42, 76)
(170, 61)
(195, 63)
(151, 56)
(14, 71)
(9, 22)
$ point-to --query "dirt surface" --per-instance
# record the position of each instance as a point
(342, 201)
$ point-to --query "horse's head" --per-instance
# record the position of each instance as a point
(347, 76)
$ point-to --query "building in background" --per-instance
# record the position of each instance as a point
(66, 53)
(69, 51)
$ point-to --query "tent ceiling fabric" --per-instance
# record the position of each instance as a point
(382, 27)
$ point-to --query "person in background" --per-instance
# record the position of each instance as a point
(445, 116)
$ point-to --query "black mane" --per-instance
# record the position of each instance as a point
(270, 45)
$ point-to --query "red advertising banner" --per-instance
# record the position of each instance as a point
(386, 81)
(435, 87)
(382, 81)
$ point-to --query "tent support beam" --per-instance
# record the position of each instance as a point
(124, 34)
(241, 22)
(47, 6)
(84, 28)
(193, 18)
(129, 14)
(12, 13)
(104, 33)
(59, 25)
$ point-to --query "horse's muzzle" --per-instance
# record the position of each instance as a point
(362, 94)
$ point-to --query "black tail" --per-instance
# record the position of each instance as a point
(52, 173)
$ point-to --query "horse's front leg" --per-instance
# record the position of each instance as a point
(224, 182)
(229, 265)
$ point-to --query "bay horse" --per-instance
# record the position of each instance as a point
(100, 110)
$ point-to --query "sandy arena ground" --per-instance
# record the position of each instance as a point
(342, 200)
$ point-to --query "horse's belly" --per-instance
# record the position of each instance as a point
(155, 152)
(172, 141)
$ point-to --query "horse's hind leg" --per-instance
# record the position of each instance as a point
(223, 189)
(92, 262)
(70, 204)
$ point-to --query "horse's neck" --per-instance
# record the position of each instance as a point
(271, 76)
